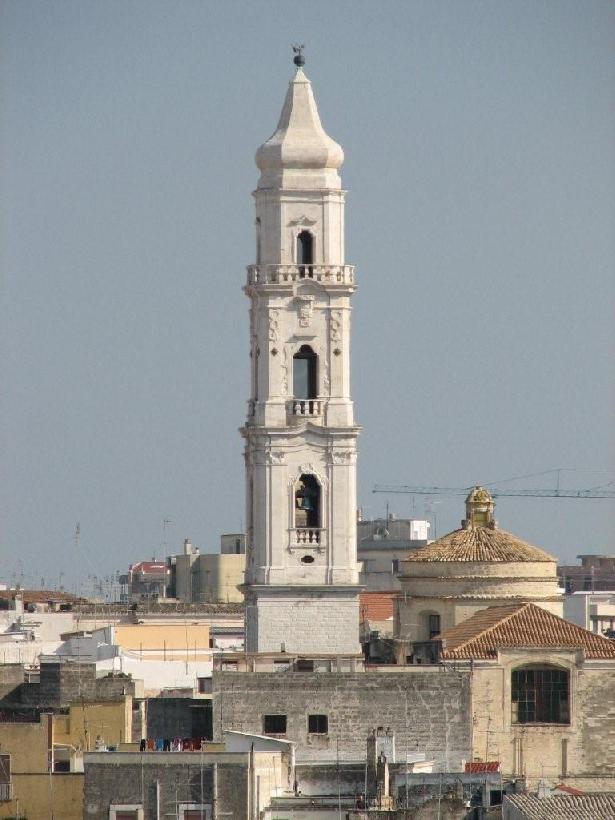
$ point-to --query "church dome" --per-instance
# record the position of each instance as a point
(299, 143)
(480, 539)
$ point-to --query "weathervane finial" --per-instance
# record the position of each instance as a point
(298, 59)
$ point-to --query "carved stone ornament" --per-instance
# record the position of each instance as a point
(326, 382)
(301, 220)
(305, 305)
(284, 384)
(342, 457)
(307, 469)
(274, 325)
(276, 457)
(335, 325)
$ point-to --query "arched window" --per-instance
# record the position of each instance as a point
(305, 251)
(258, 240)
(307, 502)
(305, 373)
(540, 694)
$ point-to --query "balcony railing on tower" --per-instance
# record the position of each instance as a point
(306, 407)
(306, 537)
(281, 274)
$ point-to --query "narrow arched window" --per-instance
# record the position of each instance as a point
(540, 694)
(305, 373)
(258, 240)
(307, 502)
(305, 251)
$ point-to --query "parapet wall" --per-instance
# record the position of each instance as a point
(428, 709)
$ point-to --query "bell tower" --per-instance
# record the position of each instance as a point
(301, 582)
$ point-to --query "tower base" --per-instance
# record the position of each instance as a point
(319, 620)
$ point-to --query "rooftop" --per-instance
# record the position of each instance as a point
(519, 625)
(480, 539)
(565, 807)
(376, 606)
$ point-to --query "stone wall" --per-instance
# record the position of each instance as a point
(428, 709)
(11, 680)
(305, 623)
(596, 712)
(182, 717)
(553, 751)
(131, 778)
(64, 682)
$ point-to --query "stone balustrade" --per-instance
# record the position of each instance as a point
(306, 537)
(282, 274)
(306, 407)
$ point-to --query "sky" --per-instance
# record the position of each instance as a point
(480, 167)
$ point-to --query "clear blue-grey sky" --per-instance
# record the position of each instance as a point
(481, 210)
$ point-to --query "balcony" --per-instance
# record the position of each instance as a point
(306, 407)
(287, 274)
(307, 537)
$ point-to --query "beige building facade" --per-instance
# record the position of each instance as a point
(542, 695)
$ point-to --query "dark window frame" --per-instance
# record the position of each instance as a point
(434, 625)
(540, 695)
(318, 724)
(275, 724)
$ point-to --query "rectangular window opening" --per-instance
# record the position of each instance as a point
(318, 724)
(274, 724)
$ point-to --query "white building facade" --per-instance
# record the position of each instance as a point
(301, 581)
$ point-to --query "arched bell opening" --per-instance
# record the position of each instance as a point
(305, 253)
(305, 373)
(307, 503)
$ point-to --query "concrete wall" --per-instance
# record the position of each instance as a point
(112, 721)
(178, 717)
(11, 679)
(181, 641)
(130, 777)
(40, 797)
(427, 708)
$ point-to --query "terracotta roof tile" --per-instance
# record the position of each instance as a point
(564, 807)
(480, 544)
(376, 606)
(482, 766)
(519, 625)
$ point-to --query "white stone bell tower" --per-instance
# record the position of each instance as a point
(301, 582)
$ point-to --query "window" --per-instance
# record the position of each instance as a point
(274, 724)
(204, 686)
(305, 373)
(395, 565)
(305, 248)
(540, 695)
(434, 626)
(132, 811)
(228, 666)
(194, 811)
(318, 724)
(258, 240)
(307, 503)
(5, 777)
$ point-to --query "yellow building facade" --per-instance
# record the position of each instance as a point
(42, 761)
